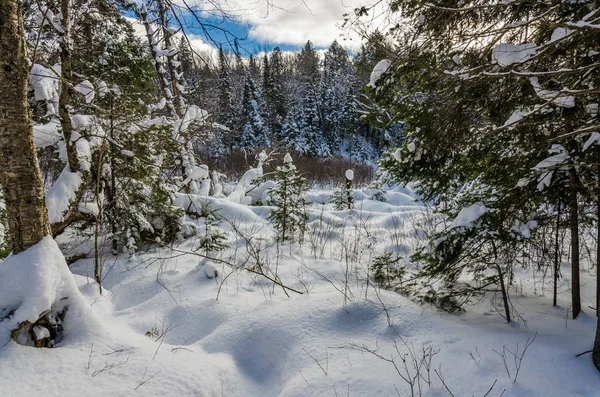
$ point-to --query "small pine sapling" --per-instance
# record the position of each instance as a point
(378, 192)
(214, 240)
(289, 215)
(387, 270)
(343, 197)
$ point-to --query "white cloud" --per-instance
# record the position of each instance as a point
(205, 51)
(287, 22)
(293, 22)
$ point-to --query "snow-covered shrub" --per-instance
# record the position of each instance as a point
(289, 215)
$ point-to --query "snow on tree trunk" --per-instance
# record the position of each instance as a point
(20, 172)
(35, 283)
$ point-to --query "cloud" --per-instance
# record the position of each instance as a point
(294, 22)
(205, 51)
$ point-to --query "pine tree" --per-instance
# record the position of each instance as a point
(302, 131)
(253, 67)
(255, 131)
(288, 216)
(504, 154)
(307, 66)
(188, 67)
(225, 113)
(268, 92)
(277, 98)
(213, 240)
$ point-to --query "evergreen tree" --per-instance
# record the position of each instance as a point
(276, 97)
(374, 49)
(225, 113)
(253, 67)
(268, 92)
(188, 67)
(288, 216)
(255, 131)
(302, 132)
(474, 152)
(336, 61)
(307, 66)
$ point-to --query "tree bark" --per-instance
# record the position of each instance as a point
(556, 258)
(66, 75)
(596, 350)
(19, 169)
(574, 226)
(502, 284)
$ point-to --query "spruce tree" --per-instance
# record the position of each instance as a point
(289, 213)
(277, 98)
(307, 66)
(255, 130)
(225, 113)
(505, 152)
(302, 131)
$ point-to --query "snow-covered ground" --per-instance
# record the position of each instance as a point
(163, 328)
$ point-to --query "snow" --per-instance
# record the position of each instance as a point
(102, 88)
(46, 85)
(553, 96)
(552, 161)
(200, 172)
(164, 327)
(593, 139)
(508, 54)
(349, 175)
(60, 196)
(41, 332)
(193, 114)
(468, 215)
(48, 134)
(32, 281)
(86, 89)
(379, 69)
(560, 33)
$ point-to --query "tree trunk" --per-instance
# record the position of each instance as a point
(19, 169)
(349, 194)
(66, 75)
(502, 284)
(596, 350)
(556, 258)
(574, 225)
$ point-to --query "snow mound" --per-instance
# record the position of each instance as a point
(32, 281)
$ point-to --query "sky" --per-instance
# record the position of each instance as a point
(263, 24)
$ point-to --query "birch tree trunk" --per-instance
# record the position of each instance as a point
(19, 169)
